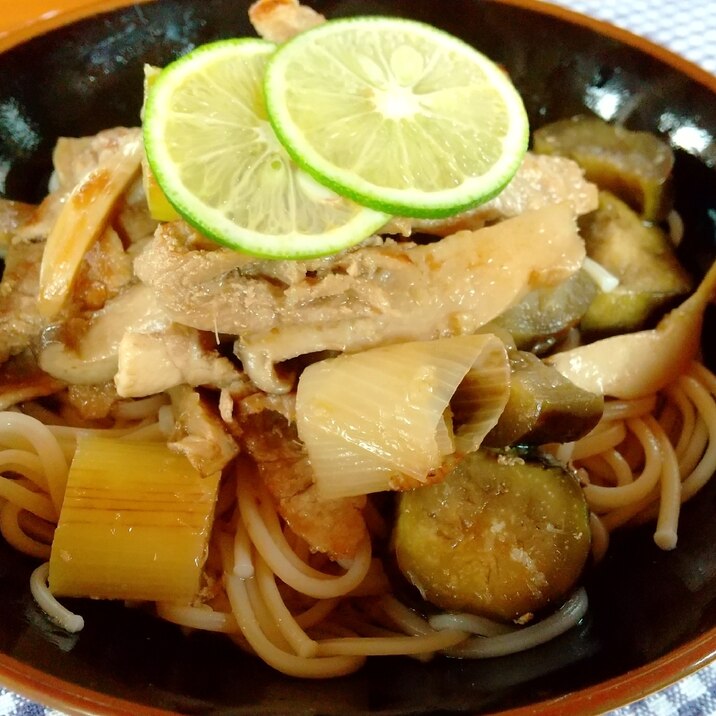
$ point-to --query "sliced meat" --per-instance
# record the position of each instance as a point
(133, 221)
(280, 20)
(334, 527)
(13, 214)
(84, 350)
(75, 157)
(105, 270)
(22, 379)
(150, 363)
(540, 181)
(223, 291)
(39, 223)
(20, 321)
(92, 402)
(370, 296)
(199, 432)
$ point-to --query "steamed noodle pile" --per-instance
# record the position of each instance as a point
(306, 617)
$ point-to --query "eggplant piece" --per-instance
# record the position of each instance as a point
(544, 316)
(641, 257)
(543, 406)
(636, 166)
(502, 536)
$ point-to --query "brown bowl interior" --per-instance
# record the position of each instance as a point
(652, 617)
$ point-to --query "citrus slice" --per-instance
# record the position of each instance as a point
(215, 156)
(397, 115)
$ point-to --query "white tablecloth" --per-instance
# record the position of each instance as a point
(689, 29)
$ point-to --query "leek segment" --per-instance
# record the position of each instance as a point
(135, 524)
(387, 418)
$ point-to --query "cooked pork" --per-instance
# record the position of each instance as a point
(375, 295)
(84, 350)
(74, 158)
(334, 527)
(199, 432)
(280, 20)
(152, 362)
(20, 321)
(92, 402)
(540, 181)
(105, 270)
(21, 379)
(13, 214)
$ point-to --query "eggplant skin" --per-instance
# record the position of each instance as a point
(543, 406)
(642, 257)
(636, 166)
(502, 536)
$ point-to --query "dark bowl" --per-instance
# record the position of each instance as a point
(652, 618)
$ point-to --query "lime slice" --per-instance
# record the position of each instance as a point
(213, 153)
(397, 115)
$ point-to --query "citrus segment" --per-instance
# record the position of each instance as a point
(215, 156)
(397, 115)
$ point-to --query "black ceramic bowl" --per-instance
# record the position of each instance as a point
(652, 617)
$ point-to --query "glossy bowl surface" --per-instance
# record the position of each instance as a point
(652, 617)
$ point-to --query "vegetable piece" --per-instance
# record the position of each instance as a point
(643, 260)
(134, 524)
(544, 316)
(501, 536)
(82, 219)
(387, 418)
(638, 364)
(636, 166)
(543, 406)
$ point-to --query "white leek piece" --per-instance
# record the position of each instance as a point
(638, 364)
(386, 418)
(134, 524)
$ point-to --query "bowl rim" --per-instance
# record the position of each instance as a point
(36, 685)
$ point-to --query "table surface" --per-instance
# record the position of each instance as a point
(692, 37)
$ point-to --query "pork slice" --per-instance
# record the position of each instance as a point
(13, 214)
(105, 270)
(540, 181)
(20, 321)
(84, 348)
(373, 295)
(280, 20)
(199, 433)
(224, 291)
(334, 527)
(38, 224)
(149, 363)
(133, 221)
(92, 402)
(22, 379)
(75, 157)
